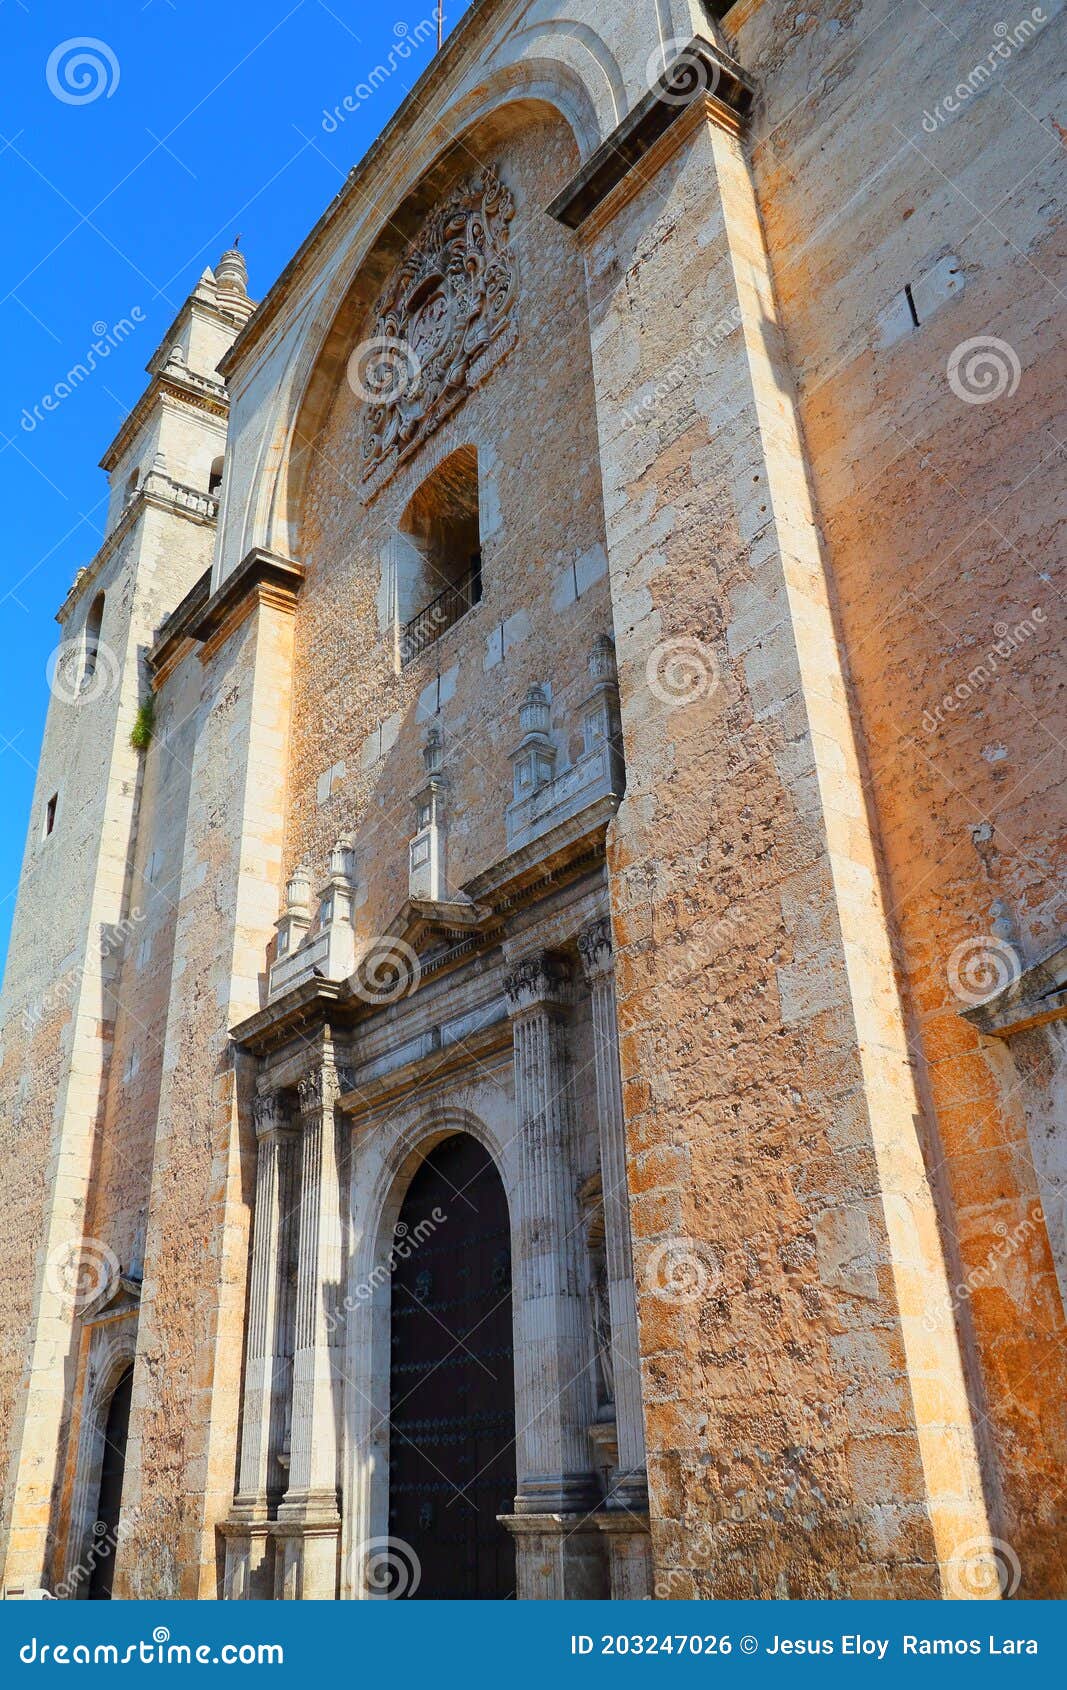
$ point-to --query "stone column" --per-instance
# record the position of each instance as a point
(630, 1489)
(249, 1571)
(550, 1269)
(309, 1516)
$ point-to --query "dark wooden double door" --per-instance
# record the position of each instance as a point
(452, 1415)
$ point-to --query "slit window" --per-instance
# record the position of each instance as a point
(91, 646)
(50, 815)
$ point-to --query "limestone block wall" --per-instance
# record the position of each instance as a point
(120, 1187)
(359, 726)
(933, 450)
(70, 937)
(183, 1435)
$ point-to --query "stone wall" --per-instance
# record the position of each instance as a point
(934, 494)
(359, 725)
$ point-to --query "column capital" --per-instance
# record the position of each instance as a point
(595, 949)
(322, 1085)
(540, 980)
(269, 1115)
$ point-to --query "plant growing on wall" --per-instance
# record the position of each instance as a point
(141, 734)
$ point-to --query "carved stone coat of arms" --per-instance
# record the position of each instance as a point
(441, 323)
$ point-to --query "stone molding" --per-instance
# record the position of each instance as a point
(262, 575)
(701, 75)
(1036, 996)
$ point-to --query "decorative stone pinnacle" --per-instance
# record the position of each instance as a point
(535, 711)
(341, 859)
(602, 659)
(433, 752)
(298, 892)
(231, 273)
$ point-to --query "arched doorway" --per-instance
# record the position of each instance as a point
(451, 1377)
(106, 1526)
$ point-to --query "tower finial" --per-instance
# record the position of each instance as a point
(231, 272)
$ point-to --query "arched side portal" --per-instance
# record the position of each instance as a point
(385, 1172)
(451, 1378)
(109, 1495)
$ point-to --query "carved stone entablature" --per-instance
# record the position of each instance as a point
(441, 323)
(594, 948)
(535, 980)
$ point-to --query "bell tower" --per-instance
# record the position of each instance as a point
(77, 914)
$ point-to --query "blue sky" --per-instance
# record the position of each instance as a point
(207, 122)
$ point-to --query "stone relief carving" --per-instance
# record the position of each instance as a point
(534, 980)
(448, 308)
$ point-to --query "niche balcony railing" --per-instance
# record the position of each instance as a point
(439, 615)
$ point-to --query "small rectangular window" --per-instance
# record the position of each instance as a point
(50, 814)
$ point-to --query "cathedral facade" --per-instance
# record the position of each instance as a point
(532, 1051)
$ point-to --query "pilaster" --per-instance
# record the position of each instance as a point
(309, 1515)
(630, 1488)
(553, 1360)
(772, 950)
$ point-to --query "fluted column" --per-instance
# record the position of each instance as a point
(310, 1506)
(274, 1143)
(630, 1489)
(554, 1385)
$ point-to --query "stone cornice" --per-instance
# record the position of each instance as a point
(198, 392)
(1037, 996)
(702, 76)
(261, 574)
(159, 493)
